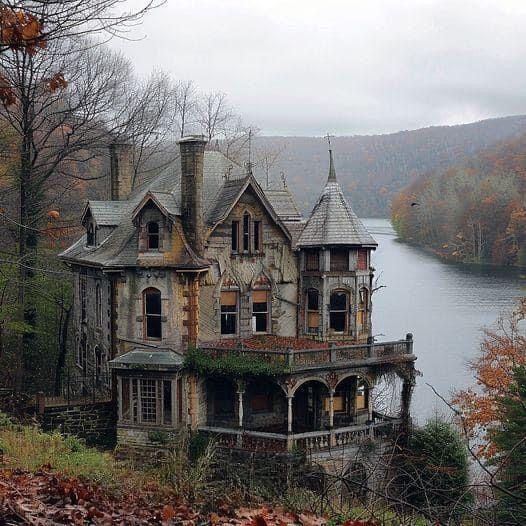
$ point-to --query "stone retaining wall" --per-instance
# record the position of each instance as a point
(94, 422)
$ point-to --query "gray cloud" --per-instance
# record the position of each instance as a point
(302, 67)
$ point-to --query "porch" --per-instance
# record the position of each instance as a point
(312, 413)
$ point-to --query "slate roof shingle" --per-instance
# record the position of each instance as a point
(223, 180)
(332, 221)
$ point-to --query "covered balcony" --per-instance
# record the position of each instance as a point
(313, 414)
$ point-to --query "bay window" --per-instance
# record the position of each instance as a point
(146, 401)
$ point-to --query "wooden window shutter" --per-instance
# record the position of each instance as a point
(229, 298)
(259, 296)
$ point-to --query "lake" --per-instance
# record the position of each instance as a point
(444, 305)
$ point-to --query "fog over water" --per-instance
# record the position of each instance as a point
(444, 306)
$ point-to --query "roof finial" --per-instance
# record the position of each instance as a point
(332, 171)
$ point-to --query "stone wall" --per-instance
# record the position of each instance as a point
(94, 422)
(276, 262)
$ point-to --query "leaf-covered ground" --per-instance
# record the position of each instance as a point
(45, 498)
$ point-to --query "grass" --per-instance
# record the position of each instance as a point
(29, 448)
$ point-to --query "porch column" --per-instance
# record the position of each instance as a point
(331, 408)
(240, 407)
(332, 437)
(289, 413)
(290, 442)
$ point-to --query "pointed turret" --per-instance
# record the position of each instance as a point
(333, 222)
(332, 171)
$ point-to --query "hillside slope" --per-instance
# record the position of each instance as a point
(372, 169)
(473, 212)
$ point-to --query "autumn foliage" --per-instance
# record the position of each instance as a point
(475, 212)
(502, 351)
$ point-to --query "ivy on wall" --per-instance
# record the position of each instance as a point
(233, 365)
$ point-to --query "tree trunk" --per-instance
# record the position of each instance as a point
(63, 347)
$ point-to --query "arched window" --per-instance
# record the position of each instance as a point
(98, 364)
(339, 311)
(313, 311)
(246, 232)
(98, 305)
(90, 235)
(152, 314)
(152, 229)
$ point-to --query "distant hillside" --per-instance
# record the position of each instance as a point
(473, 212)
(374, 168)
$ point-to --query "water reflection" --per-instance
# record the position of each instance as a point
(444, 305)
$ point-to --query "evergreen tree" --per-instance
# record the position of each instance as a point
(510, 440)
(435, 471)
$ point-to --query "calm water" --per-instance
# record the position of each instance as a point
(444, 306)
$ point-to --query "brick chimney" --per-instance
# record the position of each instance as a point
(121, 171)
(192, 150)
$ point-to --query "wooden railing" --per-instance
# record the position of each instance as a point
(310, 442)
(297, 359)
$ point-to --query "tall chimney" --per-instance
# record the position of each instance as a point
(192, 150)
(121, 171)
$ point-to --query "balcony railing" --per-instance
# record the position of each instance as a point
(312, 442)
(299, 359)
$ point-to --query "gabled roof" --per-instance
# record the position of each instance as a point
(165, 202)
(230, 195)
(332, 221)
(224, 183)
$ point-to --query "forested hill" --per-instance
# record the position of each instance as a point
(372, 169)
(473, 212)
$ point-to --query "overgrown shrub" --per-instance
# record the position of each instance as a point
(435, 472)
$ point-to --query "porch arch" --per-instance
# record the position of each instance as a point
(292, 391)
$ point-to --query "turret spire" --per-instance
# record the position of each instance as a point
(332, 171)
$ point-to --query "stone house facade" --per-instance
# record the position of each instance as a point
(203, 257)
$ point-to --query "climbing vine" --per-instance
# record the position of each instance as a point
(233, 364)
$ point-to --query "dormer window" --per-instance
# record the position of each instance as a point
(152, 230)
(90, 236)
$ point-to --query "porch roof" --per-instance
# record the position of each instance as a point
(159, 360)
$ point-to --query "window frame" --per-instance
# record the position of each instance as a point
(234, 237)
(247, 219)
(153, 236)
(163, 404)
(310, 256)
(256, 314)
(333, 266)
(147, 315)
(234, 313)
(257, 238)
(312, 311)
(345, 311)
(91, 235)
(98, 305)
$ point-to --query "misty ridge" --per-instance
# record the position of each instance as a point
(373, 169)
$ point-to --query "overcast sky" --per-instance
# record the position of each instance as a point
(303, 67)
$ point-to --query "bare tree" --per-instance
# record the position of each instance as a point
(213, 115)
(186, 105)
